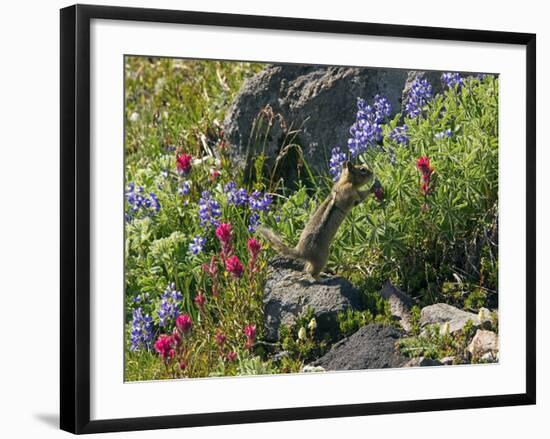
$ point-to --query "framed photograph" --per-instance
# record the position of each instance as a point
(268, 219)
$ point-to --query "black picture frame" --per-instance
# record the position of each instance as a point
(75, 217)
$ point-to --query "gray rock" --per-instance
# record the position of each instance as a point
(371, 347)
(289, 292)
(319, 101)
(422, 362)
(484, 316)
(441, 313)
(488, 357)
(309, 369)
(400, 304)
(483, 343)
(447, 361)
(280, 356)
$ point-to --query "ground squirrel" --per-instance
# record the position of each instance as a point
(313, 246)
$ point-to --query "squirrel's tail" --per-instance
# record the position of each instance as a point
(277, 243)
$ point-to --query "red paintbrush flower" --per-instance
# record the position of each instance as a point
(224, 233)
(234, 266)
(184, 323)
(164, 345)
(200, 300)
(250, 334)
(254, 247)
(423, 163)
(220, 338)
(183, 163)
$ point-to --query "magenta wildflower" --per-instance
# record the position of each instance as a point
(165, 347)
(234, 266)
(254, 248)
(200, 300)
(183, 163)
(224, 232)
(250, 334)
(221, 338)
(184, 323)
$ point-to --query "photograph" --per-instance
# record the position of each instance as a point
(295, 218)
(275, 219)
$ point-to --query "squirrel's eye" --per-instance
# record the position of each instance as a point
(363, 171)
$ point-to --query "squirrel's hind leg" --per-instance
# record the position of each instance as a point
(314, 270)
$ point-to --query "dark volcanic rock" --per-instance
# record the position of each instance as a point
(319, 101)
(371, 347)
(422, 362)
(289, 292)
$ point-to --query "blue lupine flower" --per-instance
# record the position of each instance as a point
(259, 202)
(418, 95)
(236, 196)
(253, 222)
(169, 302)
(196, 246)
(337, 159)
(155, 204)
(141, 335)
(382, 108)
(367, 129)
(140, 205)
(442, 134)
(169, 148)
(229, 187)
(400, 135)
(185, 188)
(451, 79)
(143, 298)
(209, 210)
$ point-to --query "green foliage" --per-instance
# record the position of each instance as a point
(432, 344)
(177, 102)
(254, 366)
(301, 342)
(350, 321)
(143, 365)
(415, 320)
(377, 311)
(436, 342)
(476, 299)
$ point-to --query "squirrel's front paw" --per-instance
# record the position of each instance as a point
(376, 185)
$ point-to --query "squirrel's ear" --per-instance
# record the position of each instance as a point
(348, 165)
